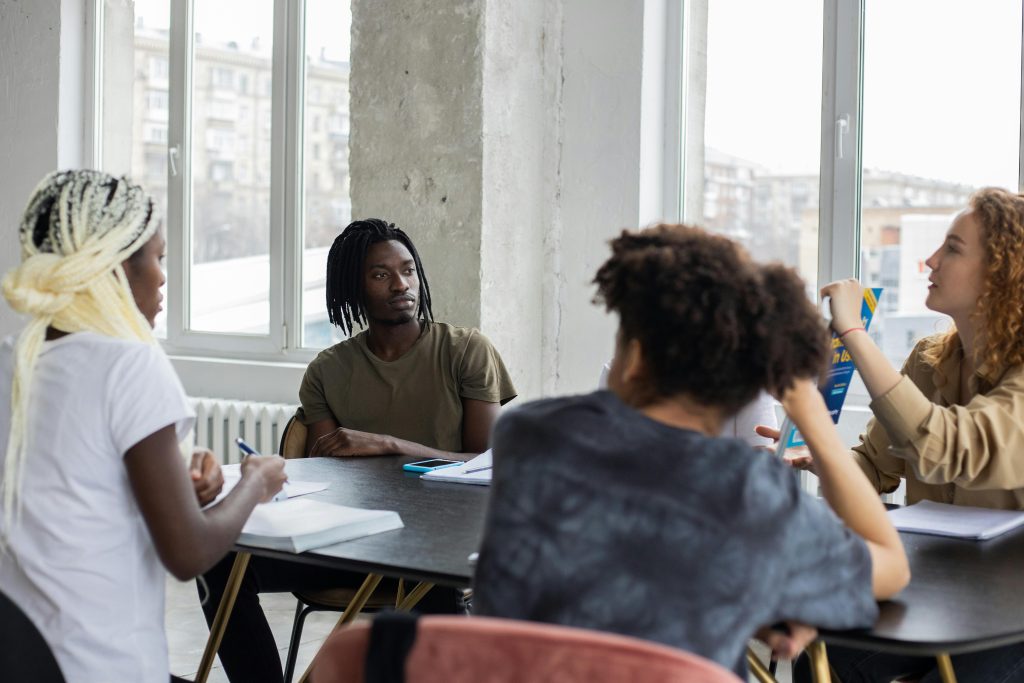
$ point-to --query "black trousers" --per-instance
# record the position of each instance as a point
(248, 651)
(999, 665)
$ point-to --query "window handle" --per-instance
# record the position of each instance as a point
(842, 128)
(173, 156)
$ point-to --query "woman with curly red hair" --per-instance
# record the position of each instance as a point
(951, 422)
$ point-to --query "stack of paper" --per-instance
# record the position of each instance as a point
(476, 471)
(958, 521)
(303, 524)
(233, 474)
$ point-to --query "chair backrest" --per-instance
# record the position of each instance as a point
(24, 655)
(293, 439)
(451, 649)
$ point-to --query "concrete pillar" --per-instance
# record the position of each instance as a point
(416, 143)
(505, 136)
(41, 69)
(600, 175)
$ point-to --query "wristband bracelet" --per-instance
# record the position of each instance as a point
(852, 329)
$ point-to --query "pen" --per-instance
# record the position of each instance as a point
(249, 450)
(478, 469)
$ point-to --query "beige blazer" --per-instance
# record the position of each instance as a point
(969, 454)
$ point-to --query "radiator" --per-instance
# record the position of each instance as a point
(220, 421)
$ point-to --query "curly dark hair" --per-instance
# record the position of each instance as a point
(712, 324)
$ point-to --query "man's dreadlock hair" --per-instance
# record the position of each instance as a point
(345, 271)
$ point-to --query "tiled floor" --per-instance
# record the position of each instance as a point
(186, 631)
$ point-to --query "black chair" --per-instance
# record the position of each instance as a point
(24, 655)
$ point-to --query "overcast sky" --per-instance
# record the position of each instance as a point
(941, 86)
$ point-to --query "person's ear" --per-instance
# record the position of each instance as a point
(634, 368)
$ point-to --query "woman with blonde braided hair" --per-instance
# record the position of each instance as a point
(97, 500)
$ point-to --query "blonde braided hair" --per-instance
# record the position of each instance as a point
(77, 230)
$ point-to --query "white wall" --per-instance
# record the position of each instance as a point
(41, 57)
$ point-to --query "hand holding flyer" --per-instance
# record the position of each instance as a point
(837, 378)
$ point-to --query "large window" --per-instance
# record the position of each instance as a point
(234, 115)
(759, 175)
(841, 137)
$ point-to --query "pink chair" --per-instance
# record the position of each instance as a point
(451, 649)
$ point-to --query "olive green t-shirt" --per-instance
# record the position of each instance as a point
(417, 397)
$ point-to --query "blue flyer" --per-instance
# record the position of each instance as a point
(837, 378)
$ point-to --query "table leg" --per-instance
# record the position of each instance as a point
(757, 668)
(819, 662)
(414, 596)
(351, 611)
(945, 668)
(220, 621)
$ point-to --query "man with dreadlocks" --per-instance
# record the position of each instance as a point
(405, 385)
(97, 500)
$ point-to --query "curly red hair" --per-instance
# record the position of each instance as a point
(1000, 309)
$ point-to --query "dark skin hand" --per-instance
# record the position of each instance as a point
(207, 478)
(326, 437)
(391, 289)
(190, 540)
(787, 645)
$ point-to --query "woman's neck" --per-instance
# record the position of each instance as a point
(966, 329)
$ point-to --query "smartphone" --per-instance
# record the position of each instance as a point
(428, 465)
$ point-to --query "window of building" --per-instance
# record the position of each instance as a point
(848, 159)
(247, 254)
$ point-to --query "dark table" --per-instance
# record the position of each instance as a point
(443, 525)
(963, 596)
(443, 522)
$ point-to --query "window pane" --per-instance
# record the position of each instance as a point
(762, 128)
(325, 157)
(940, 120)
(136, 66)
(230, 166)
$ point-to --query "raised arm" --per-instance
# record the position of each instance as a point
(190, 540)
(845, 298)
(846, 489)
(326, 437)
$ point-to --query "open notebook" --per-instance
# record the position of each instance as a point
(475, 471)
(301, 524)
(958, 521)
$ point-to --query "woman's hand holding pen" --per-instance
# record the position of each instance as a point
(267, 471)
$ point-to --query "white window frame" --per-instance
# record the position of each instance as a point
(283, 342)
(841, 130)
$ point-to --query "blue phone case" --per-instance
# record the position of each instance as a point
(417, 467)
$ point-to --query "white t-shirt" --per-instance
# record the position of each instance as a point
(81, 563)
(760, 411)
